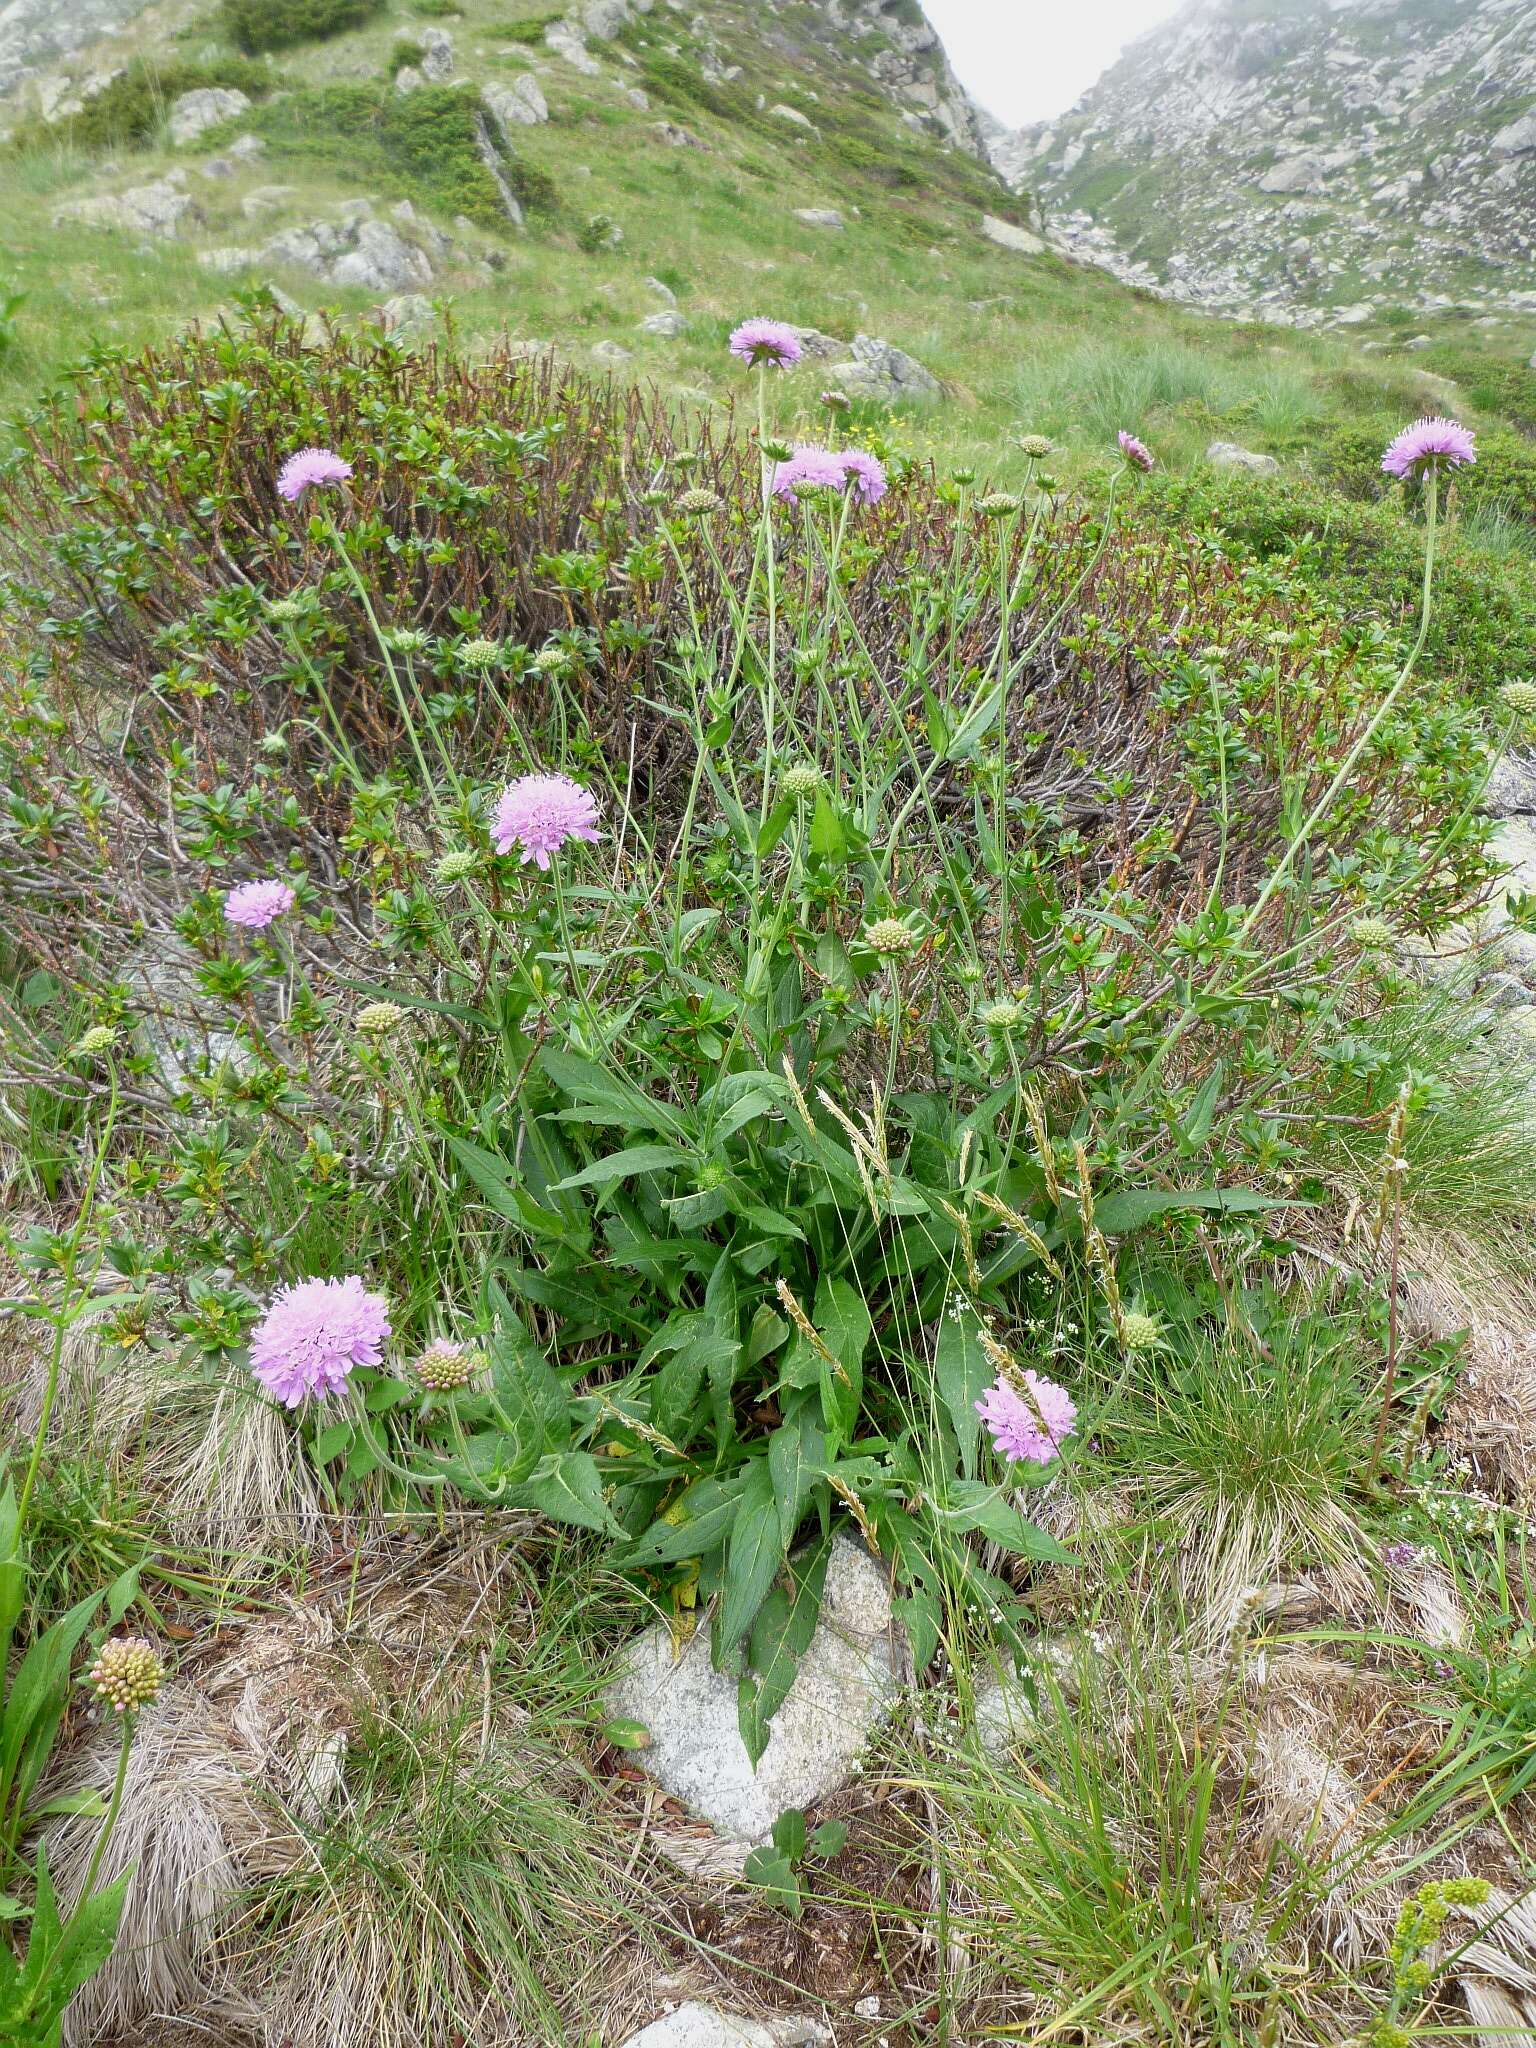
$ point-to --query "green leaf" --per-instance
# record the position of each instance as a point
(1128, 1210)
(569, 1488)
(491, 1176)
(964, 1372)
(775, 1876)
(973, 1506)
(529, 1399)
(828, 1841)
(693, 1525)
(775, 825)
(797, 1456)
(753, 1555)
(827, 838)
(780, 1637)
(1196, 1127)
(622, 1165)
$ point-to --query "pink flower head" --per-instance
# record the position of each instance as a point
(540, 813)
(807, 466)
(767, 342)
(864, 474)
(317, 466)
(1027, 1425)
(1429, 444)
(1137, 453)
(258, 904)
(314, 1335)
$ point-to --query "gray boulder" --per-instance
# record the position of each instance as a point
(196, 111)
(612, 352)
(436, 55)
(158, 209)
(515, 102)
(667, 324)
(604, 18)
(877, 370)
(1304, 173)
(675, 137)
(661, 291)
(1229, 455)
(381, 260)
(844, 1689)
(791, 114)
(704, 2026)
(820, 216)
(1519, 137)
(1512, 786)
(354, 249)
(819, 347)
(407, 313)
(246, 148)
(1008, 236)
(565, 42)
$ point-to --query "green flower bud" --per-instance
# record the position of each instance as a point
(889, 937)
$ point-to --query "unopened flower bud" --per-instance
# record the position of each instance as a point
(127, 1674)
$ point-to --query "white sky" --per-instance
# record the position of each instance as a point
(1027, 60)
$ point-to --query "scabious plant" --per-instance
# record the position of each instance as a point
(1136, 452)
(1430, 444)
(1029, 1422)
(808, 469)
(255, 905)
(314, 1336)
(311, 469)
(542, 813)
(864, 475)
(127, 1673)
(766, 344)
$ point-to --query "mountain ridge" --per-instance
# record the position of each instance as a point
(1308, 162)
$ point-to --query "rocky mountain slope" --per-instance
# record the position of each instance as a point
(1309, 160)
(593, 176)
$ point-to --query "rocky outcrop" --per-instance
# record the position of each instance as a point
(1300, 160)
(36, 32)
(906, 60)
(163, 208)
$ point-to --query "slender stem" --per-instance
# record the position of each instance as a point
(113, 1810)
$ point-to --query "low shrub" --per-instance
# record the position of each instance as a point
(257, 25)
(1365, 562)
(424, 145)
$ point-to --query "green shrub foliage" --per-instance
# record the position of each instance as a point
(1364, 562)
(426, 145)
(256, 25)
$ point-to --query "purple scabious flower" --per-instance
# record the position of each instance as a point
(766, 342)
(1027, 1423)
(540, 813)
(311, 466)
(809, 465)
(314, 1335)
(255, 905)
(1429, 444)
(1136, 452)
(864, 474)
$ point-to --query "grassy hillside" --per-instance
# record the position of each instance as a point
(1020, 342)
